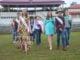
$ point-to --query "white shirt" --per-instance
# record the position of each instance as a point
(40, 22)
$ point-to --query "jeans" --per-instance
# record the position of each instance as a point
(15, 33)
(38, 36)
(67, 35)
(61, 35)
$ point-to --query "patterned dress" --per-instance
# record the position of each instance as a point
(24, 34)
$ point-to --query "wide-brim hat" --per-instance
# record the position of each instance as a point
(59, 11)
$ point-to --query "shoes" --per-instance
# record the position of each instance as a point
(14, 42)
(50, 49)
(64, 49)
(67, 46)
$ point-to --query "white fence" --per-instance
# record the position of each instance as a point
(7, 17)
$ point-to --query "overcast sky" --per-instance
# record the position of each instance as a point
(68, 2)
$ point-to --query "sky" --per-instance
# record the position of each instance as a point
(68, 2)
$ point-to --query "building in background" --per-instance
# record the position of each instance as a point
(34, 7)
(74, 11)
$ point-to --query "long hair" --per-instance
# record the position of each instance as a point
(26, 14)
(48, 15)
(64, 12)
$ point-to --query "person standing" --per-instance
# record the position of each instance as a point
(37, 29)
(49, 28)
(32, 33)
(68, 25)
(15, 25)
(24, 32)
(60, 29)
(14, 30)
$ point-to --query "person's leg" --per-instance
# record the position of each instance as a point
(14, 37)
(16, 34)
(37, 35)
(31, 36)
(13, 34)
(34, 37)
(68, 32)
(58, 39)
(64, 39)
(50, 41)
(66, 36)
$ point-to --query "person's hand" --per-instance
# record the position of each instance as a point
(30, 32)
(18, 30)
(60, 29)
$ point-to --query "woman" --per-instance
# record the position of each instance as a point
(49, 26)
(37, 29)
(14, 30)
(24, 32)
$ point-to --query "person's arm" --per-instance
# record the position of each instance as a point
(12, 23)
(56, 26)
(70, 22)
(63, 25)
(63, 21)
(33, 26)
(30, 31)
(42, 25)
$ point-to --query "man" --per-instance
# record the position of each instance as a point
(68, 24)
(60, 25)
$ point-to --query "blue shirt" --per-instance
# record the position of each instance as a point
(68, 21)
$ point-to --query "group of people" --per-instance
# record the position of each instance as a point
(51, 25)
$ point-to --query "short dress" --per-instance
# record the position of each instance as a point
(49, 26)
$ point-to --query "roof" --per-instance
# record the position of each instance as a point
(31, 2)
(76, 6)
(74, 13)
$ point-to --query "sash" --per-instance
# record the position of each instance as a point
(59, 20)
(18, 21)
(24, 23)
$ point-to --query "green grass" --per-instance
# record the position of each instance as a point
(9, 52)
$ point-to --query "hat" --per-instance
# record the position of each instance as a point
(59, 12)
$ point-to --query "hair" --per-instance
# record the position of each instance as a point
(37, 16)
(31, 17)
(64, 12)
(49, 16)
(26, 14)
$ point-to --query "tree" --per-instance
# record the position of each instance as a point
(73, 3)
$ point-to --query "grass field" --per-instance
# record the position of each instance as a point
(9, 52)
